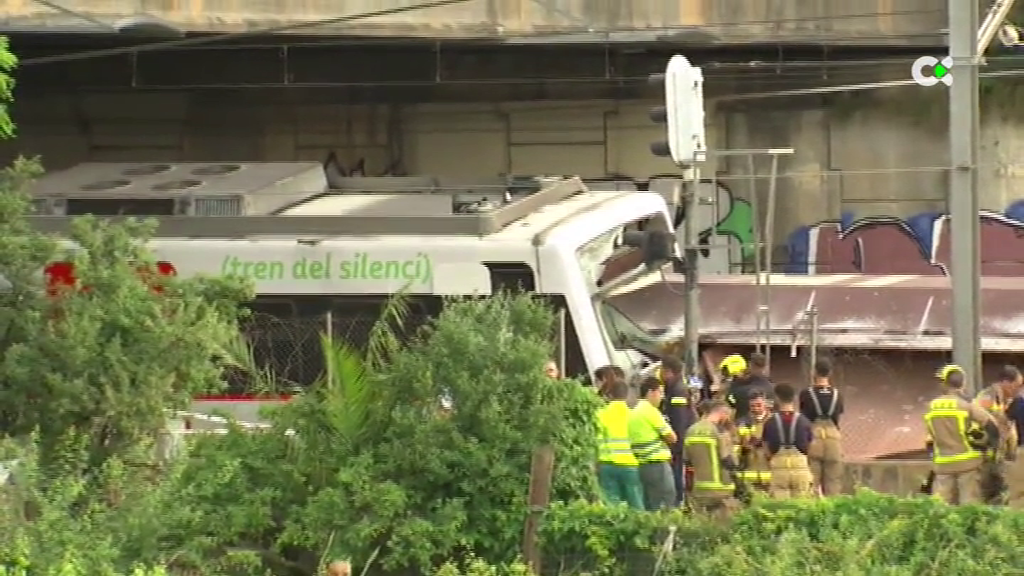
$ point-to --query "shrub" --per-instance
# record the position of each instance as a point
(377, 469)
(866, 534)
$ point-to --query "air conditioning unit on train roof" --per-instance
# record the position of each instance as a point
(177, 189)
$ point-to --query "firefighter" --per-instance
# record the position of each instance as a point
(750, 451)
(732, 369)
(754, 380)
(996, 399)
(823, 406)
(787, 437)
(959, 431)
(707, 448)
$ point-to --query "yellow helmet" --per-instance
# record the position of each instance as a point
(944, 372)
(734, 364)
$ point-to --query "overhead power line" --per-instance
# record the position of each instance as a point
(585, 28)
(198, 40)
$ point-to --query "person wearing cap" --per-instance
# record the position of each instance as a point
(996, 398)
(957, 456)
(677, 406)
(650, 437)
(708, 450)
(823, 406)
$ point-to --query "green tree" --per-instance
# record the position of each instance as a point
(377, 469)
(8, 62)
(102, 360)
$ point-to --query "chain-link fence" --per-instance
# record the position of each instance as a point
(290, 348)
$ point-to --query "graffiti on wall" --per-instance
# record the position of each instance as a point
(335, 169)
(919, 244)
(725, 220)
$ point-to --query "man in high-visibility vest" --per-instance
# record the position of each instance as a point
(956, 456)
(651, 436)
(996, 399)
(708, 450)
(617, 468)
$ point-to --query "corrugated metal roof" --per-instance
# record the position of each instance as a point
(853, 311)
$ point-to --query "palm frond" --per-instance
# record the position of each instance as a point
(344, 390)
(238, 354)
(385, 336)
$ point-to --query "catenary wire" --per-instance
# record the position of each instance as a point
(197, 40)
(227, 37)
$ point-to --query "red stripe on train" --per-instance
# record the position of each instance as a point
(242, 398)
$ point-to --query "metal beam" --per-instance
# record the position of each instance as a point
(963, 204)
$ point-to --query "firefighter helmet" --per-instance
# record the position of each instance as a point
(733, 365)
(944, 372)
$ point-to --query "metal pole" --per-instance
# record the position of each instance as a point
(755, 207)
(691, 253)
(561, 342)
(814, 339)
(769, 243)
(963, 187)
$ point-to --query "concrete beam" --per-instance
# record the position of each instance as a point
(830, 22)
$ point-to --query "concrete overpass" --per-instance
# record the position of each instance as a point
(704, 22)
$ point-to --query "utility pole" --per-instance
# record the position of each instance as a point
(964, 128)
(685, 143)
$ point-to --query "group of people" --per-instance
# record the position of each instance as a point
(714, 445)
(975, 443)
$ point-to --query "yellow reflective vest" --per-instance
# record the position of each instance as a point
(613, 434)
(647, 429)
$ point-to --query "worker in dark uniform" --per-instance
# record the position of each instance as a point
(788, 436)
(1015, 468)
(677, 406)
(707, 448)
(750, 450)
(957, 453)
(823, 406)
(753, 381)
(996, 399)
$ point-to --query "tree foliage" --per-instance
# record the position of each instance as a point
(8, 62)
(377, 469)
(102, 360)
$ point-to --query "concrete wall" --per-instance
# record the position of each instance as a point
(883, 155)
(882, 22)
